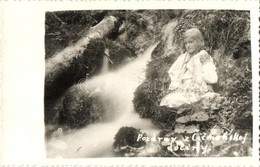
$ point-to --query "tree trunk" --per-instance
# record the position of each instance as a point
(63, 60)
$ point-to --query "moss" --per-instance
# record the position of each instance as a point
(148, 95)
(126, 141)
(83, 67)
(80, 108)
(235, 83)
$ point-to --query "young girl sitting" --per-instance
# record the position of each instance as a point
(192, 74)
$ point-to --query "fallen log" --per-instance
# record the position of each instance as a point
(61, 61)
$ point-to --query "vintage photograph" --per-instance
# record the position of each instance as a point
(148, 83)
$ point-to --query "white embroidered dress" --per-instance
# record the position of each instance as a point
(190, 79)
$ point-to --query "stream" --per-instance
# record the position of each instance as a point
(96, 140)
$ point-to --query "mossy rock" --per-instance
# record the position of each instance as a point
(81, 108)
(148, 95)
(126, 143)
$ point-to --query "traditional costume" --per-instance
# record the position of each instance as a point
(191, 79)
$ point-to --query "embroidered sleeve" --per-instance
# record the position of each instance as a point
(204, 58)
(209, 73)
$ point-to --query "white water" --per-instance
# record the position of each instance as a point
(117, 92)
(105, 64)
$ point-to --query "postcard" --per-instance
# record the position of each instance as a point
(130, 83)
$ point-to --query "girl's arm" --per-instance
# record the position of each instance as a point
(209, 73)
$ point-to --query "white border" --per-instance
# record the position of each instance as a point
(22, 137)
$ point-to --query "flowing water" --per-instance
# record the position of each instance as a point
(105, 65)
(117, 89)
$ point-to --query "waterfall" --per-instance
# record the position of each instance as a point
(105, 63)
(118, 88)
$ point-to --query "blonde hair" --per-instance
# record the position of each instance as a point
(195, 34)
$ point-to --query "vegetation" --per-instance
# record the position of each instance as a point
(133, 33)
(225, 32)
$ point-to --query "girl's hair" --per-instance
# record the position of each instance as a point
(195, 34)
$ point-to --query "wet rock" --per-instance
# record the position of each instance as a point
(126, 143)
(81, 107)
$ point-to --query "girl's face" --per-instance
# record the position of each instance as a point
(192, 45)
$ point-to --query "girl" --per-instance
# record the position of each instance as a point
(192, 74)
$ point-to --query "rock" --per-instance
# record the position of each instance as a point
(81, 107)
(126, 143)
